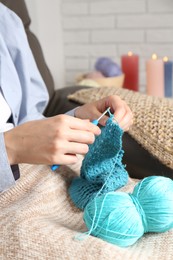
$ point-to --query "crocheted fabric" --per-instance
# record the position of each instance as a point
(102, 169)
(153, 119)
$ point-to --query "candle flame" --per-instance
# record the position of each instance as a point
(154, 56)
(130, 53)
(165, 59)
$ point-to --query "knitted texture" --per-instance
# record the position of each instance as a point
(102, 169)
(39, 222)
(153, 119)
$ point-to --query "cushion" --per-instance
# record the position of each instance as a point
(59, 103)
(153, 124)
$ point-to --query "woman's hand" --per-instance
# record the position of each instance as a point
(58, 139)
(55, 140)
(118, 107)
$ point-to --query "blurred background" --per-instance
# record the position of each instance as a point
(75, 33)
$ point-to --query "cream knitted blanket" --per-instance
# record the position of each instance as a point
(39, 221)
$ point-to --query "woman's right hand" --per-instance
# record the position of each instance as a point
(55, 140)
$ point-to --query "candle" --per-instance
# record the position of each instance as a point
(155, 76)
(167, 77)
(130, 67)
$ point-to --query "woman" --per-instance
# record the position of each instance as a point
(35, 139)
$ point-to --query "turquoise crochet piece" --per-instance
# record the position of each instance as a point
(102, 170)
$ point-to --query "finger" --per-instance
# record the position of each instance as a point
(76, 148)
(119, 113)
(127, 120)
(103, 120)
(127, 124)
(67, 159)
(125, 127)
(122, 116)
(79, 136)
(86, 125)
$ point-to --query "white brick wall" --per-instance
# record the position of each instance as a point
(94, 28)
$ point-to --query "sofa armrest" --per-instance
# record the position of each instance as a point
(59, 103)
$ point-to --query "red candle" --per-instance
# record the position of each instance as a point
(130, 67)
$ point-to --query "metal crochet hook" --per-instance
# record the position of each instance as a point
(95, 122)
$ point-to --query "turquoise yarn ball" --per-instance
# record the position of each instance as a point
(156, 198)
(121, 218)
(114, 218)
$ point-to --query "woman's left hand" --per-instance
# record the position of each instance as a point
(118, 107)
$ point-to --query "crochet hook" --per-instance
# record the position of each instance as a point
(95, 122)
